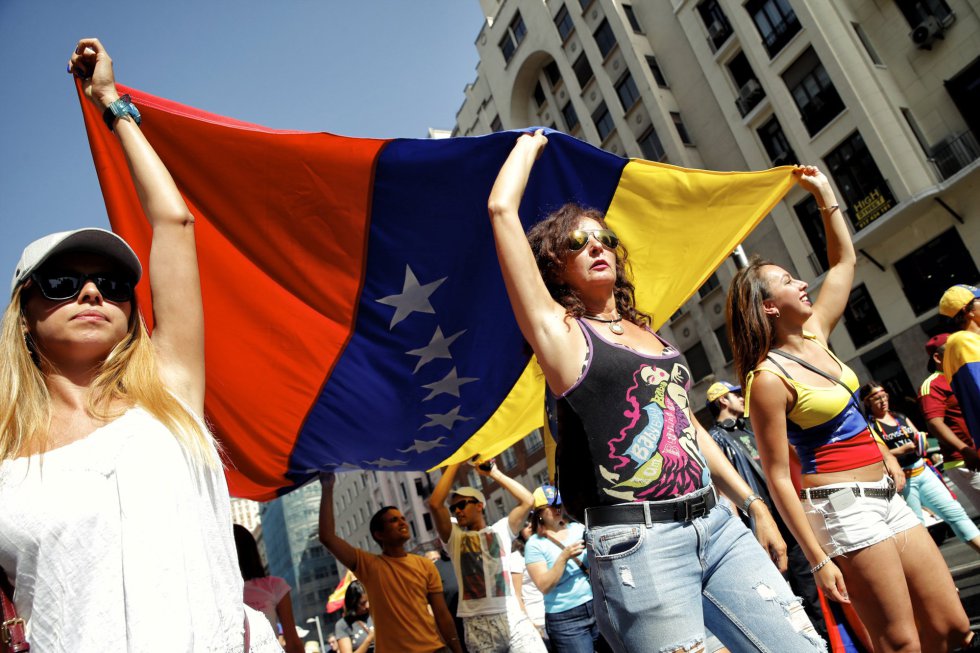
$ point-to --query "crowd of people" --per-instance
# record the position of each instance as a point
(665, 536)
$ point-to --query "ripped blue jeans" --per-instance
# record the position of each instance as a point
(656, 588)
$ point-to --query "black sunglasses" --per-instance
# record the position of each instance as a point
(578, 238)
(62, 286)
(462, 503)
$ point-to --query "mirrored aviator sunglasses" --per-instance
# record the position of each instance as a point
(62, 286)
(579, 238)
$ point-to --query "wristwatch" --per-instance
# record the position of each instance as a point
(120, 108)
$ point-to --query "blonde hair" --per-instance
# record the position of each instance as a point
(128, 374)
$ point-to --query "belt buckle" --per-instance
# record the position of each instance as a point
(695, 507)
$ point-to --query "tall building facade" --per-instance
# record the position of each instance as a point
(246, 513)
(883, 95)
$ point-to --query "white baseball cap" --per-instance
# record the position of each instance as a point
(96, 241)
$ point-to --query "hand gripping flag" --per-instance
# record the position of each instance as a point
(355, 312)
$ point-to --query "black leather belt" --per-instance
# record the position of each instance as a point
(870, 492)
(647, 512)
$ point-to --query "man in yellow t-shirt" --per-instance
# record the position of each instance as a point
(402, 586)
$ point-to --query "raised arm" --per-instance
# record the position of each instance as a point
(836, 287)
(178, 334)
(437, 502)
(525, 500)
(341, 550)
(540, 318)
(769, 399)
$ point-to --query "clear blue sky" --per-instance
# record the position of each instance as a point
(380, 68)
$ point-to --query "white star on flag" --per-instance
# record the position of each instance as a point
(446, 420)
(412, 299)
(421, 446)
(385, 462)
(438, 347)
(447, 385)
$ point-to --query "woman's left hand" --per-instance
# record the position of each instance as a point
(895, 471)
(91, 63)
(811, 179)
(766, 531)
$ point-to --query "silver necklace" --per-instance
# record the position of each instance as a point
(613, 323)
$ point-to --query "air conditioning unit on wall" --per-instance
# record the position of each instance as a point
(927, 32)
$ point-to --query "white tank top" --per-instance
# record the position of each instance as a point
(118, 542)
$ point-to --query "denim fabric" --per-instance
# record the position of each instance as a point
(573, 630)
(927, 490)
(512, 632)
(656, 588)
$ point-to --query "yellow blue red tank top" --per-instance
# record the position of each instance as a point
(825, 425)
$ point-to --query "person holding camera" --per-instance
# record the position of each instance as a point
(492, 617)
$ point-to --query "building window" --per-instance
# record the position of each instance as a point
(627, 91)
(571, 118)
(658, 74)
(866, 192)
(914, 126)
(697, 362)
(861, 318)
(750, 91)
(929, 270)
(681, 129)
(584, 4)
(650, 145)
(813, 92)
(721, 335)
(508, 459)
(553, 74)
(917, 12)
(710, 284)
(583, 71)
(563, 21)
(776, 22)
(775, 143)
(427, 521)
(496, 125)
(516, 31)
(604, 38)
(863, 38)
(539, 98)
(716, 22)
(603, 121)
(812, 222)
(631, 17)
(534, 441)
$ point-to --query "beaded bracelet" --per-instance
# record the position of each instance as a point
(820, 565)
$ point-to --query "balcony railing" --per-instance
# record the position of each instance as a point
(954, 154)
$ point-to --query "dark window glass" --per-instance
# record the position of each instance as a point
(427, 521)
(583, 71)
(776, 22)
(604, 38)
(721, 335)
(927, 272)
(539, 97)
(697, 361)
(603, 121)
(534, 441)
(563, 21)
(658, 74)
(553, 74)
(813, 92)
(627, 91)
(716, 22)
(516, 31)
(681, 129)
(866, 192)
(631, 17)
(571, 118)
(584, 3)
(812, 223)
(885, 366)
(919, 11)
(750, 91)
(709, 285)
(866, 42)
(496, 125)
(861, 318)
(650, 145)
(774, 140)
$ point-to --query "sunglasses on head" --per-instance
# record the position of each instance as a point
(462, 503)
(579, 238)
(62, 286)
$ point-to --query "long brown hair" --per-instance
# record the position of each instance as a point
(549, 242)
(750, 330)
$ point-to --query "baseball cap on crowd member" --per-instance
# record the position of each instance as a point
(91, 240)
(546, 495)
(720, 389)
(956, 298)
(932, 346)
(471, 492)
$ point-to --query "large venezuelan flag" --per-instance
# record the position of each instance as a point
(355, 312)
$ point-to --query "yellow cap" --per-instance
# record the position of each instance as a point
(956, 298)
(720, 389)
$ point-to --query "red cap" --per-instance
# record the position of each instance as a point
(935, 342)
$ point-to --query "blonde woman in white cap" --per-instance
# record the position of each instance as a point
(115, 526)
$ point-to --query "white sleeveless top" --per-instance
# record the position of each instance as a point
(118, 542)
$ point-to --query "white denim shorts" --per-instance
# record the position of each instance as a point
(842, 525)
